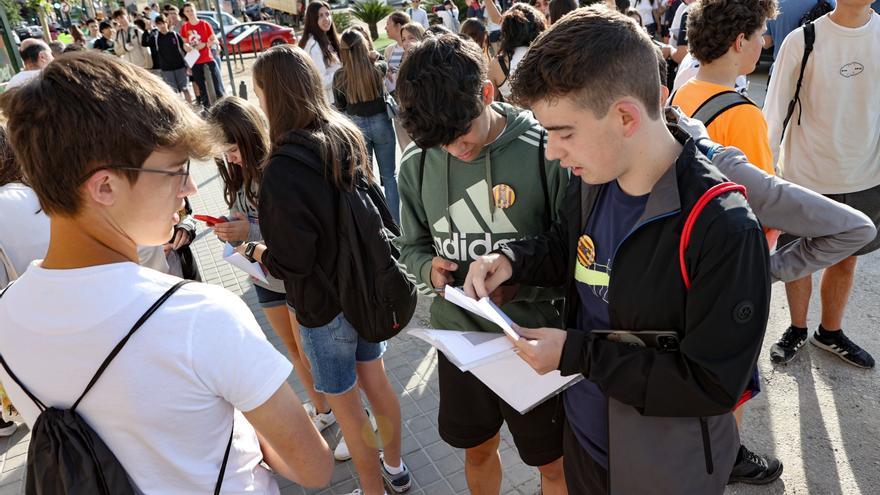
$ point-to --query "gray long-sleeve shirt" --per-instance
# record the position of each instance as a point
(829, 231)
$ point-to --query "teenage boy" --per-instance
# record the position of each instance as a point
(105, 43)
(93, 32)
(394, 56)
(725, 36)
(168, 402)
(169, 50)
(832, 146)
(199, 36)
(654, 419)
(474, 177)
(129, 40)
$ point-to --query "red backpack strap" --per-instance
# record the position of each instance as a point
(685, 240)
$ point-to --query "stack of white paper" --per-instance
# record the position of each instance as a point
(491, 357)
(242, 263)
(466, 349)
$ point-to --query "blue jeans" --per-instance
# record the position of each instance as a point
(334, 351)
(379, 135)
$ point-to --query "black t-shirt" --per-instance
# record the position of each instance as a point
(170, 51)
(104, 44)
(149, 40)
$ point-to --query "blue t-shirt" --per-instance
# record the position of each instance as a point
(788, 19)
(876, 6)
(614, 216)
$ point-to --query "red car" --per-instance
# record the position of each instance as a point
(272, 35)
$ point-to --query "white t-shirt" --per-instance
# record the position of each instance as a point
(165, 404)
(675, 27)
(448, 17)
(836, 147)
(24, 230)
(645, 8)
(22, 77)
(518, 54)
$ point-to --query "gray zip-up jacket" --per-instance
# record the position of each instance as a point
(829, 231)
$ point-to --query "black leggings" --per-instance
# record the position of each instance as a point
(198, 75)
(583, 475)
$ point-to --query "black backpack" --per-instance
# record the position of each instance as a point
(66, 456)
(377, 296)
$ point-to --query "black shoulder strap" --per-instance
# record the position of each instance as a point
(225, 459)
(809, 40)
(718, 104)
(504, 68)
(109, 358)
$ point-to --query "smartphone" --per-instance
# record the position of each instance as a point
(211, 221)
(665, 340)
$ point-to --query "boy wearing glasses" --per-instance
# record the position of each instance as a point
(201, 353)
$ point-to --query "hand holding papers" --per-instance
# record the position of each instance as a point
(491, 357)
(242, 263)
(484, 307)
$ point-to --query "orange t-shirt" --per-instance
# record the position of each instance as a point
(742, 126)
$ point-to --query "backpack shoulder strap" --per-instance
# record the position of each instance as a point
(143, 319)
(38, 402)
(505, 69)
(809, 40)
(225, 460)
(685, 239)
(718, 104)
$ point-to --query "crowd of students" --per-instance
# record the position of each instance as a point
(546, 164)
(157, 40)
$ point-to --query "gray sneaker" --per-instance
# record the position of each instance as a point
(400, 482)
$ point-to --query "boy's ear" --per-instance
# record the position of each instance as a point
(629, 116)
(488, 92)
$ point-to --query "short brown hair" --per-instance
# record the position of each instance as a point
(399, 18)
(88, 110)
(595, 55)
(713, 25)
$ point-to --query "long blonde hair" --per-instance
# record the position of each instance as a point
(359, 79)
(295, 100)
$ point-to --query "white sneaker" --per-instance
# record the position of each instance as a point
(322, 421)
(341, 453)
(358, 491)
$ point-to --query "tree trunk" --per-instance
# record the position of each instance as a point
(374, 31)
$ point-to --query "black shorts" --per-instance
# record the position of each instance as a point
(583, 475)
(867, 202)
(471, 414)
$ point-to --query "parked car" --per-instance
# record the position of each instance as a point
(271, 34)
(25, 31)
(213, 19)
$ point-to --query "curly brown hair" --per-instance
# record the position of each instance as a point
(713, 25)
(614, 58)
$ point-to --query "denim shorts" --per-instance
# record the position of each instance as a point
(333, 350)
(269, 298)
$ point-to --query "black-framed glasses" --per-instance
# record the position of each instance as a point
(183, 174)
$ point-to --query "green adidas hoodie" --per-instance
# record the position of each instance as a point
(448, 210)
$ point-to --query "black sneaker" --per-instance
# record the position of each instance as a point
(400, 482)
(785, 349)
(754, 469)
(845, 349)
